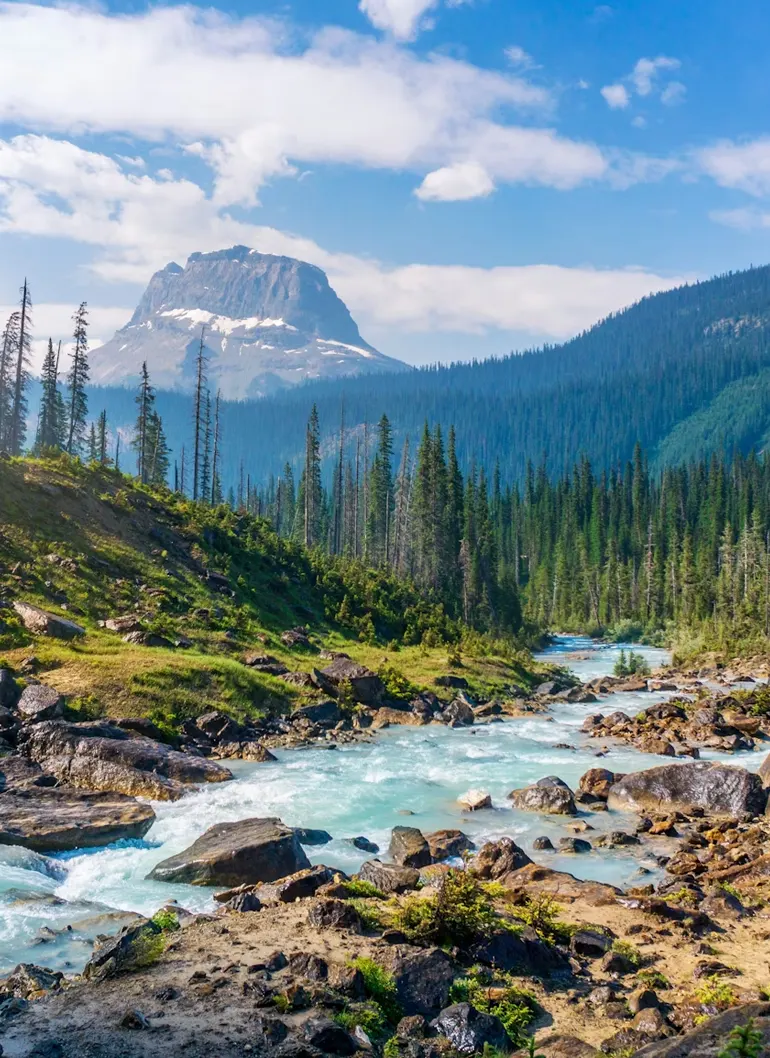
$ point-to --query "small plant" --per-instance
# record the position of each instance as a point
(380, 986)
(622, 947)
(653, 979)
(726, 887)
(166, 920)
(362, 888)
(392, 1048)
(370, 916)
(532, 1049)
(282, 1003)
(459, 914)
(716, 993)
(631, 664)
(744, 1042)
(396, 683)
(369, 1016)
(498, 994)
(541, 912)
(683, 896)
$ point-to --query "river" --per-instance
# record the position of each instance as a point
(407, 776)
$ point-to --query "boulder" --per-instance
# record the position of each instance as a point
(364, 844)
(124, 951)
(473, 800)
(595, 784)
(61, 819)
(42, 623)
(590, 943)
(297, 886)
(423, 978)
(308, 836)
(231, 854)
(550, 796)
(9, 689)
(764, 771)
(123, 624)
(457, 683)
(389, 877)
(38, 702)
(458, 714)
(574, 845)
(718, 789)
(325, 714)
(497, 858)
(148, 639)
(27, 981)
(101, 756)
(445, 844)
(335, 914)
(711, 1038)
(365, 685)
(557, 1046)
(329, 1037)
(469, 1031)
(523, 953)
(408, 847)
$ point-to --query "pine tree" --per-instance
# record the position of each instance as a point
(310, 485)
(158, 451)
(50, 428)
(8, 351)
(205, 472)
(381, 495)
(77, 380)
(145, 403)
(101, 439)
(201, 361)
(17, 431)
(93, 448)
(216, 481)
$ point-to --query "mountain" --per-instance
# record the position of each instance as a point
(685, 372)
(270, 322)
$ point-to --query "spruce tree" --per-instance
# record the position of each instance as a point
(201, 361)
(216, 480)
(8, 351)
(77, 379)
(145, 403)
(158, 451)
(17, 430)
(101, 439)
(50, 427)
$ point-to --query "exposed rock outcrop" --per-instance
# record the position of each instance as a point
(43, 623)
(60, 819)
(719, 789)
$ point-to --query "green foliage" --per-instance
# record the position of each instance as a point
(147, 948)
(396, 683)
(166, 919)
(726, 887)
(541, 912)
(631, 664)
(532, 1049)
(498, 994)
(380, 987)
(371, 919)
(460, 913)
(626, 631)
(362, 888)
(653, 979)
(370, 1016)
(714, 992)
(745, 1042)
(622, 947)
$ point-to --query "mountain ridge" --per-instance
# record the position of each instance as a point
(269, 322)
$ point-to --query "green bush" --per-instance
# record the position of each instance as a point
(380, 986)
(541, 912)
(496, 993)
(370, 1016)
(166, 919)
(460, 913)
(714, 992)
(631, 665)
(745, 1042)
(622, 947)
(359, 887)
(369, 915)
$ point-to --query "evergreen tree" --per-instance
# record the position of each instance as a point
(17, 430)
(8, 351)
(142, 442)
(158, 451)
(101, 439)
(50, 427)
(201, 361)
(93, 448)
(216, 481)
(77, 380)
(310, 504)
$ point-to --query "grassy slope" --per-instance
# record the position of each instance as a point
(137, 551)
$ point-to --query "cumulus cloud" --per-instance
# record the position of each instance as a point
(402, 18)
(743, 219)
(616, 96)
(137, 223)
(645, 80)
(744, 166)
(52, 320)
(517, 56)
(455, 183)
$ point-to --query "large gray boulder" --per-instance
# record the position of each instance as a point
(100, 756)
(366, 686)
(712, 1037)
(38, 702)
(42, 623)
(498, 858)
(423, 978)
(470, 1031)
(60, 819)
(409, 848)
(718, 789)
(389, 877)
(550, 796)
(230, 854)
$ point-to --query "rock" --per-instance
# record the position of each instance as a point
(296, 637)
(325, 714)
(125, 623)
(469, 1031)
(595, 784)
(335, 914)
(574, 845)
(446, 844)
(252, 751)
(550, 796)
(308, 836)
(244, 902)
(126, 950)
(9, 689)
(590, 943)
(366, 686)
(764, 771)
(711, 1037)
(497, 858)
(524, 954)
(458, 714)
(134, 1019)
(230, 854)
(329, 1037)
(61, 819)
(27, 981)
(718, 789)
(389, 877)
(364, 844)
(38, 702)
(473, 800)
(408, 847)
(423, 979)
(100, 756)
(457, 683)
(642, 999)
(650, 1022)
(658, 746)
(42, 623)
(297, 886)
(148, 639)
(614, 962)
(558, 1046)
(542, 844)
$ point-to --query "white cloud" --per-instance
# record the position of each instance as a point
(616, 96)
(644, 80)
(744, 166)
(138, 223)
(645, 73)
(517, 56)
(51, 320)
(402, 18)
(456, 183)
(743, 219)
(253, 101)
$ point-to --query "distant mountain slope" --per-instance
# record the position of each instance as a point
(635, 376)
(270, 322)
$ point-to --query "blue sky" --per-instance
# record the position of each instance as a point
(474, 175)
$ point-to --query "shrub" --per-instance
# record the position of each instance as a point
(498, 994)
(631, 664)
(745, 1042)
(380, 986)
(541, 912)
(369, 1016)
(714, 992)
(166, 919)
(459, 914)
(622, 947)
(360, 887)
(653, 979)
(396, 683)
(369, 915)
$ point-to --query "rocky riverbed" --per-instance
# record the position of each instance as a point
(662, 861)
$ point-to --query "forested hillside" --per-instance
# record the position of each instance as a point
(681, 372)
